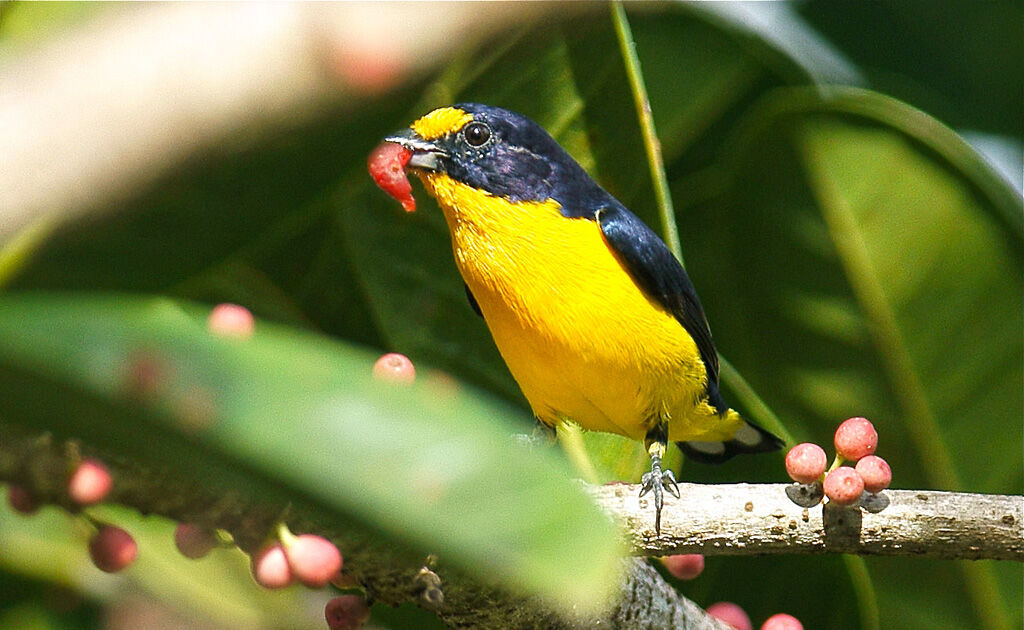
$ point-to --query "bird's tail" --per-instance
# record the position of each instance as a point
(749, 438)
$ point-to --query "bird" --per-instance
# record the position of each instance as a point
(594, 316)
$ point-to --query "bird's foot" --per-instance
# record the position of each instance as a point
(659, 481)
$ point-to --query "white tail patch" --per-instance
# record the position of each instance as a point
(748, 435)
(708, 448)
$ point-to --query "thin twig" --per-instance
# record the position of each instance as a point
(652, 145)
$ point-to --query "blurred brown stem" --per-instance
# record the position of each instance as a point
(92, 115)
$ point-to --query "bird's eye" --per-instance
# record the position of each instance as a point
(477, 133)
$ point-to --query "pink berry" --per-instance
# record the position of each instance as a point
(194, 541)
(346, 612)
(843, 485)
(782, 621)
(806, 462)
(394, 368)
(875, 472)
(90, 483)
(231, 320)
(731, 614)
(314, 560)
(856, 438)
(684, 566)
(270, 567)
(21, 500)
(112, 549)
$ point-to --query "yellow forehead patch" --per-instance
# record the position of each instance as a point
(441, 122)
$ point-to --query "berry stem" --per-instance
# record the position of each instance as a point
(836, 463)
(284, 535)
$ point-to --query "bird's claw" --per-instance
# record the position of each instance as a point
(669, 482)
(659, 481)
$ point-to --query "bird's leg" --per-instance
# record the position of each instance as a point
(542, 435)
(658, 480)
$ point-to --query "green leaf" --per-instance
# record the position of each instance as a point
(24, 24)
(53, 546)
(432, 466)
(777, 30)
(877, 273)
(252, 222)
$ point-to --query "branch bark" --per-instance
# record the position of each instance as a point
(728, 519)
(758, 519)
(389, 574)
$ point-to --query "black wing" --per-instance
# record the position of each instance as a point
(660, 274)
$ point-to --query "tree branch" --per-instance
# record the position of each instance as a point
(728, 519)
(389, 574)
(758, 519)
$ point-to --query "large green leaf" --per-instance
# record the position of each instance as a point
(877, 272)
(286, 412)
(52, 547)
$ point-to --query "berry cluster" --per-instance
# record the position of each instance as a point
(111, 548)
(855, 442)
(309, 559)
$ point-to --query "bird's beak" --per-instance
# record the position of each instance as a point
(425, 154)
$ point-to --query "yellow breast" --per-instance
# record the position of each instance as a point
(580, 338)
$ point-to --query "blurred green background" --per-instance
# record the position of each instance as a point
(846, 181)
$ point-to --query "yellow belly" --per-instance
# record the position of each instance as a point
(580, 338)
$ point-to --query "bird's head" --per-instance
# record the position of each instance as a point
(499, 152)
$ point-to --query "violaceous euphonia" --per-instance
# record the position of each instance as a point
(595, 318)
